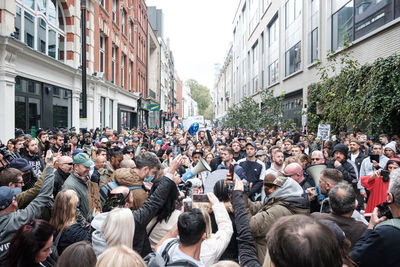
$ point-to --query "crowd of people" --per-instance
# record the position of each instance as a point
(219, 197)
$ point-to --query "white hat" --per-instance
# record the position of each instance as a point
(104, 140)
(392, 146)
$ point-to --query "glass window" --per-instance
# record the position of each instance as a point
(29, 28)
(293, 59)
(62, 108)
(397, 8)
(111, 113)
(273, 71)
(52, 12)
(314, 45)
(123, 22)
(60, 19)
(30, 4)
(102, 53)
(17, 33)
(371, 15)
(41, 35)
(342, 26)
(114, 52)
(34, 112)
(41, 6)
(61, 50)
(130, 32)
(102, 111)
(114, 10)
(20, 112)
(52, 43)
(122, 70)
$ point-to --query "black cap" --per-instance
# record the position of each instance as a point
(197, 151)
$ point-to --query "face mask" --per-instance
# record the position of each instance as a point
(149, 179)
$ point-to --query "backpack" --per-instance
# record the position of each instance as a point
(154, 259)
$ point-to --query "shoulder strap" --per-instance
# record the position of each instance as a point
(392, 222)
(152, 228)
(165, 254)
(57, 240)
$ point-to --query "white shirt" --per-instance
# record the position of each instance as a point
(175, 254)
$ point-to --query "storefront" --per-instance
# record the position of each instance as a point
(127, 117)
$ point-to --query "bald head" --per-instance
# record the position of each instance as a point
(65, 164)
(64, 159)
(295, 171)
(127, 163)
(120, 190)
(100, 162)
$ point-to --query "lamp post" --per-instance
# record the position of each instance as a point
(83, 51)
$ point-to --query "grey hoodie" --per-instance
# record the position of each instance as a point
(11, 222)
(289, 188)
(98, 240)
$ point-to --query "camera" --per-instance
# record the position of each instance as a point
(7, 155)
(384, 210)
(385, 175)
(66, 148)
(231, 185)
(186, 188)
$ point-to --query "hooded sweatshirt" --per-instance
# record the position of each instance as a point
(286, 200)
(98, 240)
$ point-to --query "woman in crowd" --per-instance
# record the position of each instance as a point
(30, 246)
(63, 219)
(120, 256)
(80, 254)
(378, 183)
(118, 229)
(208, 157)
(166, 218)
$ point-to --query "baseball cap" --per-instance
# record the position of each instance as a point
(77, 151)
(197, 151)
(6, 195)
(260, 153)
(20, 164)
(251, 144)
(275, 180)
(83, 159)
(103, 140)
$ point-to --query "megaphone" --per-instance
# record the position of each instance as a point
(315, 171)
(202, 165)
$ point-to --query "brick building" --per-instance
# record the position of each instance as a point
(40, 44)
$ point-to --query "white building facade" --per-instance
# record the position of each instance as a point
(189, 105)
(276, 44)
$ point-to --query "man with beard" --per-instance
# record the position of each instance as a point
(237, 153)
(88, 147)
(79, 181)
(62, 173)
(59, 143)
(34, 159)
(277, 162)
(340, 162)
(227, 159)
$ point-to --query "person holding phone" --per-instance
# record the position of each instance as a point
(373, 162)
(378, 183)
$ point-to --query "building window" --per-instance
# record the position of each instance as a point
(111, 113)
(130, 77)
(397, 8)
(342, 26)
(314, 31)
(122, 71)
(102, 53)
(371, 15)
(103, 3)
(102, 111)
(42, 28)
(273, 71)
(130, 32)
(114, 10)
(113, 55)
(123, 16)
(273, 49)
(292, 11)
(293, 59)
(255, 67)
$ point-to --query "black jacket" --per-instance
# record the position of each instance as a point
(215, 162)
(358, 161)
(146, 213)
(378, 247)
(59, 179)
(247, 251)
(347, 169)
(73, 234)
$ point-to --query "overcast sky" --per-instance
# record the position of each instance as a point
(200, 33)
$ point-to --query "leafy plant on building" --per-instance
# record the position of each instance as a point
(201, 94)
(358, 98)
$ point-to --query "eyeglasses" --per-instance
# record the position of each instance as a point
(68, 163)
(22, 182)
(315, 159)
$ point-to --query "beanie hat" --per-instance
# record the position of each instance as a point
(341, 148)
(392, 146)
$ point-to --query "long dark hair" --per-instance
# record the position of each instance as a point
(27, 242)
(221, 191)
(170, 204)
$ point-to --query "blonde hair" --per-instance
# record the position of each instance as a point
(120, 256)
(205, 210)
(64, 210)
(119, 228)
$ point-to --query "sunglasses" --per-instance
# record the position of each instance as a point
(69, 163)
